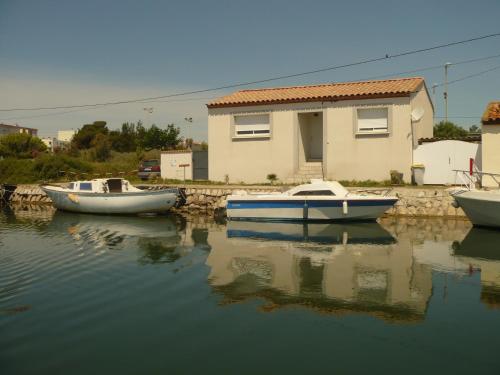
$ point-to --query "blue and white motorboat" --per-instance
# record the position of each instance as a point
(318, 200)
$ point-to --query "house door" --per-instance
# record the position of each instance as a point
(311, 135)
(316, 138)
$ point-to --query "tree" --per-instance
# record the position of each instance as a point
(448, 130)
(162, 139)
(84, 137)
(101, 147)
(20, 145)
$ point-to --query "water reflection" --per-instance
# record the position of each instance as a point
(381, 270)
(159, 239)
(480, 250)
(338, 269)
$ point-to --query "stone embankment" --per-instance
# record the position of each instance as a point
(413, 201)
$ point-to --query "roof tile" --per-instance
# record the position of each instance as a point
(491, 114)
(325, 92)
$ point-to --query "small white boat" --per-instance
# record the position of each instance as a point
(319, 200)
(482, 207)
(109, 196)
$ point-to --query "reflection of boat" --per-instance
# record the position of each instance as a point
(131, 226)
(479, 243)
(109, 231)
(482, 207)
(319, 200)
(328, 233)
(481, 250)
(109, 196)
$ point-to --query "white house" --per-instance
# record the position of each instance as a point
(340, 131)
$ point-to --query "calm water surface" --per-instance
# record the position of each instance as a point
(84, 294)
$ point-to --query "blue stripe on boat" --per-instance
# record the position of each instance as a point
(310, 203)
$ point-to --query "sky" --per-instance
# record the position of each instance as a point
(69, 52)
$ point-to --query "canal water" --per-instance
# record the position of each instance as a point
(84, 294)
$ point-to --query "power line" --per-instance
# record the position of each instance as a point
(361, 62)
(470, 76)
(97, 107)
(433, 67)
(212, 97)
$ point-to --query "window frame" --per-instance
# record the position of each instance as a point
(236, 136)
(386, 132)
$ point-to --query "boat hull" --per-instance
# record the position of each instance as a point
(113, 203)
(308, 210)
(481, 207)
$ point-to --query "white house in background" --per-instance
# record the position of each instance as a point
(438, 159)
(53, 143)
(490, 132)
(65, 135)
(340, 131)
(184, 165)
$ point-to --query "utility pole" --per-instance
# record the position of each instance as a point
(434, 100)
(189, 120)
(446, 90)
(148, 110)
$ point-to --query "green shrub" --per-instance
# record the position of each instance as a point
(53, 167)
(17, 171)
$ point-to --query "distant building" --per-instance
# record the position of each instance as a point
(12, 129)
(54, 144)
(339, 131)
(65, 135)
(491, 142)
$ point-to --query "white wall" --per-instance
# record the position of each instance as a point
(491, 153)
(441, 158)
(170, 165)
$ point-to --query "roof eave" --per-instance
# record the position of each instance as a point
(309, 100)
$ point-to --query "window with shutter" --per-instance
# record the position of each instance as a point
(372, 120)
(252, 126)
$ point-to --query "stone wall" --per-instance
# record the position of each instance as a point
(413, 201)
(29, 194)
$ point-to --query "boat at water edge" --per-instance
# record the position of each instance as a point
(482, 207)
(318, 200)
(109, 196)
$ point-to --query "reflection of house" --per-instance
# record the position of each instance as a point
(12, 129)
(491, 142)
(344, 131)
(380, 280)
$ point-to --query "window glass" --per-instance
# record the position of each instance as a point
(252, 125)
(86, 186)
(71, 185)
(372, 120)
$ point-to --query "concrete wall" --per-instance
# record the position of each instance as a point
(346, 155)
(490, 153)
(368, 156)
(424, 128)
(250, 160)
(170, 165)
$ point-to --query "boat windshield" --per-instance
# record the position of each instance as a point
(313, 192)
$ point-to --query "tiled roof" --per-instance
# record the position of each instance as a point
(473, 138)
(326, 92)
(491, 114)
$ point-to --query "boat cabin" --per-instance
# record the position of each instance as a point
(319, 187)
(102, 185)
